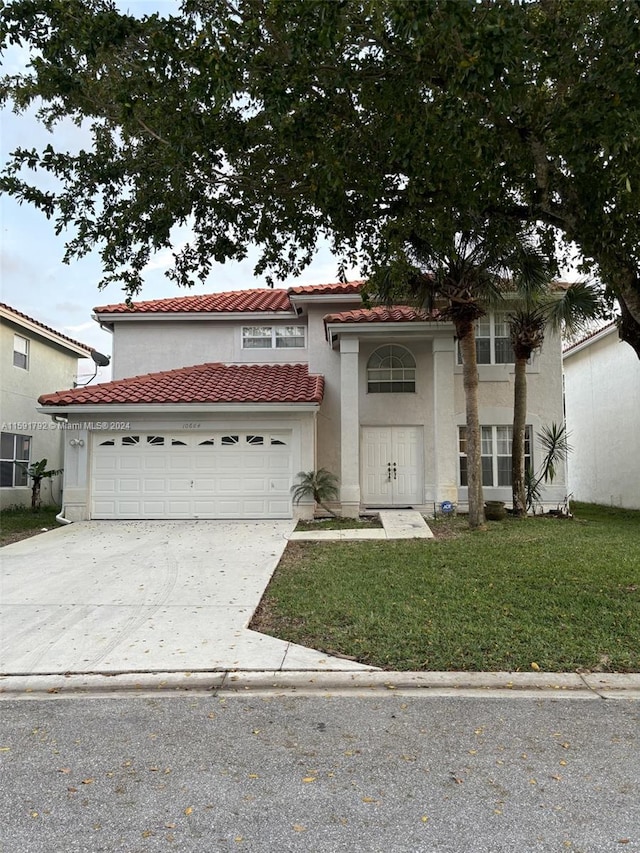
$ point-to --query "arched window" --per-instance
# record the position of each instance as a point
(391, 370)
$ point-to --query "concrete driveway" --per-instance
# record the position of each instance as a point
(144, 596)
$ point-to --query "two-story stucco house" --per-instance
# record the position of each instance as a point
(602, 392)
(34, 358)
(218, 401)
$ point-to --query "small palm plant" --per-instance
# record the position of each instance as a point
(38, 472)
(321, 485)
(553, 440)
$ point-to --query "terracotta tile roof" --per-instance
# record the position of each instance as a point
(588, 336)
(203, 383)
(340, 288)
(258, 299)
(383, 314)
(20, 316)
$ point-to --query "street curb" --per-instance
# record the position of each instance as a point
(307, 682)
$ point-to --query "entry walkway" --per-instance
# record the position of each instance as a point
(396, 524)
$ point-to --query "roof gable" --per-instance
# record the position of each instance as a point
(47, 332)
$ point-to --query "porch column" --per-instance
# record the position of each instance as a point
(444, 425)
(349, 428)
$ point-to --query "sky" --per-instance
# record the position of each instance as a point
(33, 278)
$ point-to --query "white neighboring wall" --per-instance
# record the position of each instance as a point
(602, 398)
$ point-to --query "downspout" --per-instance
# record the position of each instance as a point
(61, 519)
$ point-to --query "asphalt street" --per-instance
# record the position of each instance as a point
(319, 773)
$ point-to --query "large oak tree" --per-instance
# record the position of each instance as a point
(273, 122)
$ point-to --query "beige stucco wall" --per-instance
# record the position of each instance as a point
(50, 369)
(602, 387)
(148, 347)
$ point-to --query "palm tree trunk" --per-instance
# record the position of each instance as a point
(467, 339)
(517, 449)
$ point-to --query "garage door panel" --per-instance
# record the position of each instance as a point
(106, 464)
(155, 462)
(128, 486)
(153, 485)
(130, 463)
(191, 475)
(178, 485)
(248, 485)
(279, 484)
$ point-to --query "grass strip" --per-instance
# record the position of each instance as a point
(21, 522)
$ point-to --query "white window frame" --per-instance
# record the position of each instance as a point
(492, 438)
(395, 376)
(21, 352)
(492, 339)
(19, 462)
(272, 337)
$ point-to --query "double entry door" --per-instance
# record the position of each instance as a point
(391, 466)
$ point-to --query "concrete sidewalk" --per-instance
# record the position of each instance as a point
(396, 524)
(306, 682)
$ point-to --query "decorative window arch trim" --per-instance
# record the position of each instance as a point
(391, 369)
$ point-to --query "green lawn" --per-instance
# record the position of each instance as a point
(561, 594)
(20, 522)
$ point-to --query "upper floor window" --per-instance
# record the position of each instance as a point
(14, 459)
(272, 337)
(20, 352)
(496, 443)
(391, 369)
(493, 341)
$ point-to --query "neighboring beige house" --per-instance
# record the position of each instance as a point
(34, 359)
(218, 401)
(602, 393)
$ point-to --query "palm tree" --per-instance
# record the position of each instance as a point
(543, 305)
(321, 485)
(463, 275)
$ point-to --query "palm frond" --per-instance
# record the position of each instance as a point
(574, 307)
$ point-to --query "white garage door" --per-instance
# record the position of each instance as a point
(230, 474)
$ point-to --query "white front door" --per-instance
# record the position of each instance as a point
(392, 468)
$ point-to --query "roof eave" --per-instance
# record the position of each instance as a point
(190, 316)
(77, 349)
(82, 409)
(324, 297)
(407, 328)
(590, 339)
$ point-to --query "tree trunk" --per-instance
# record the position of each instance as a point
(518, 487)
(629, 328)
(35, 494)
(467, 340)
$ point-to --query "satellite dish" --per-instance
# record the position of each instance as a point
(100, 359)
